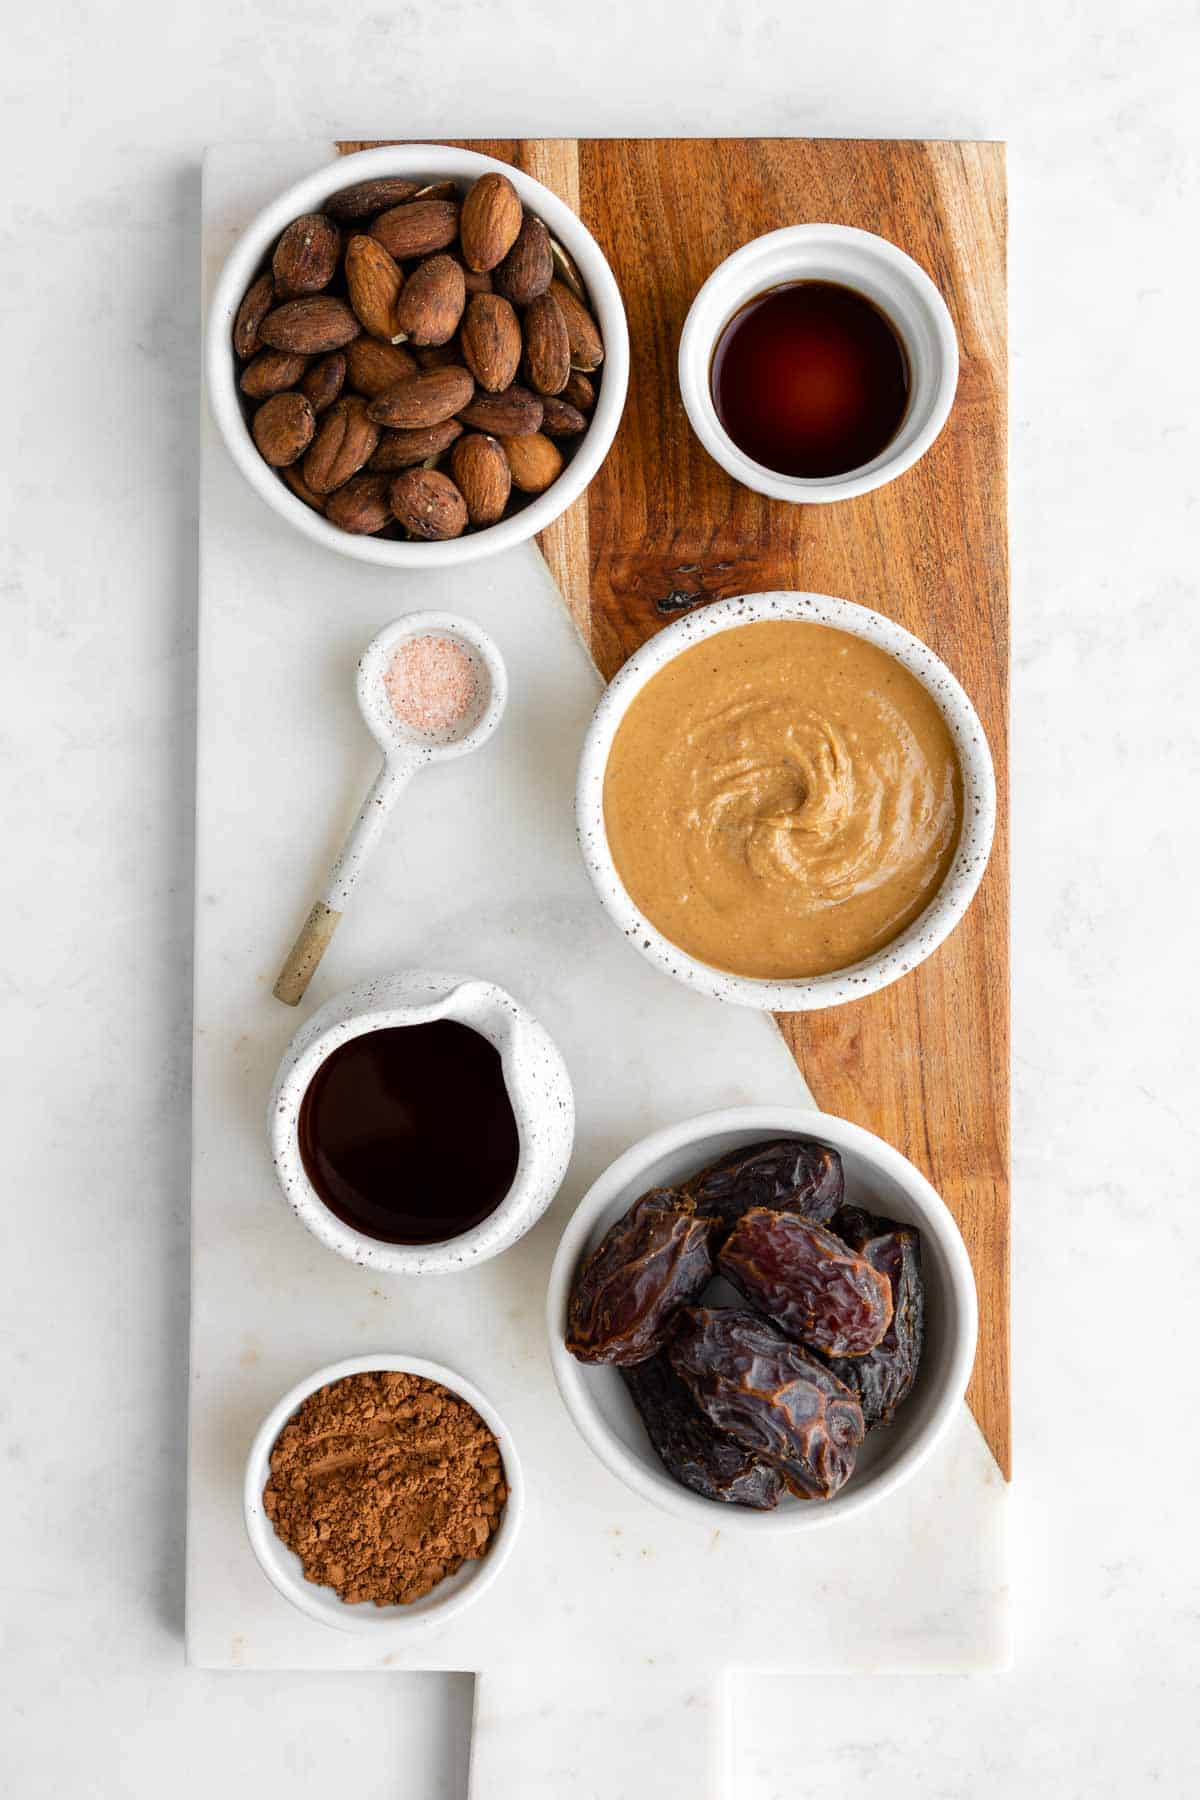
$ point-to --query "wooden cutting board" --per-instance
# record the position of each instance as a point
(662, 529)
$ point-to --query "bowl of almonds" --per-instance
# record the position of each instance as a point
(418, 355)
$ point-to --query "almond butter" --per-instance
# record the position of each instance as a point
(306, 256)
(547, 363)
(535, 462)
(270, 372)
(405, 449)
(373, 281)
(323, 381)
(428, 504)
(511, 414)
(579, 392)
(560, 418)
(432, 302)
(422, 400)
(371, 366)
(361, 505)
(491, 220)
(257, 302)
(309, 327)
(491, 342)
(368, 197)
(283, 428)
(480, 469)
(345, 438)
(417, 228)
(528, 269)
(587, 346)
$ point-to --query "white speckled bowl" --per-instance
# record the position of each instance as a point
(426, 162)
(923, 935)
(878, 1178)
(282, 1566)
(535, 1076)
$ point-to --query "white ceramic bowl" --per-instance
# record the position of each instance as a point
(925, 933)
(282, 1566)
(539, 1089)
(878, 1178)
(899, 287)
(431, 162)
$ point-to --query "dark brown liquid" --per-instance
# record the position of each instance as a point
(810, 379)
(408, 1134)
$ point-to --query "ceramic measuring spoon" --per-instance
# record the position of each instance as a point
(405, 750)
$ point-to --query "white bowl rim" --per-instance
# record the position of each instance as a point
(435, 161)
(366, 1618)
(661, 1489)
(927, 931)
(697, 342)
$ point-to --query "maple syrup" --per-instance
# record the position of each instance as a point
(810, 379)
(408, 1133)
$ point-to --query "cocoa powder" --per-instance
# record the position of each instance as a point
(383, 1484)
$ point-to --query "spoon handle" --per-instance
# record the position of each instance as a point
(318, 928)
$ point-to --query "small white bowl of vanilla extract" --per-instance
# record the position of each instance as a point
(818, 363)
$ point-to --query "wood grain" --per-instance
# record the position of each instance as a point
(662, 529)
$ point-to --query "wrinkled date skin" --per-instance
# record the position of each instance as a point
(810, 1283)
(692, 1450)
(884, 1376)
(765, 1393)
(791, 1174)
(654, 1259)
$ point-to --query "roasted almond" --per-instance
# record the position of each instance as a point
(417, 228)
(432, 303)
(535, 462)
(480, 469)
(587, 346)
(306, 256)
(257, 302)
(547, 363)
(428, 504)
(294, 476)
(270, 372)
(361, 505)
(566, 270)
(368, 197)
(579, 392)
(374, 281)
(438, 356)
(371, 367)
(405, 449)
(477, 281)
(528, 269)
(345, 438)
(511, 414)
(324, 380)
(560, 418)
(283, 428)
(309, 327)
(422, 400)
(438, 190)
(491, 342)
(491, 220)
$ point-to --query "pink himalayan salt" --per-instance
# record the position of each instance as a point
(431, 683)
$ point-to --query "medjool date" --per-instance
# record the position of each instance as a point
(791, 1174)
(771, 1398)
(654, 1259)
(808, 1281)
(884, 1376)
(692, 1450)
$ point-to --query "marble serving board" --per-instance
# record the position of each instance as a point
(480, 872)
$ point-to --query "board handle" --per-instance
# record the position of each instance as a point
(305, 954)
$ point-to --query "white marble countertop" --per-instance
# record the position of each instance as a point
(105, 116)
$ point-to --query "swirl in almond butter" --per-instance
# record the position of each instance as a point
(783, 800)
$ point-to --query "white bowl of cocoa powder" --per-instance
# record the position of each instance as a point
(383, 1495)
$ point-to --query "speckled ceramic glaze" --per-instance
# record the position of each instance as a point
(944, 910)
(282, 1566)
(877, 1177)
(539, 1089)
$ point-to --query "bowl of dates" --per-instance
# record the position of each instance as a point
(762, 1318)
(417, 355)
